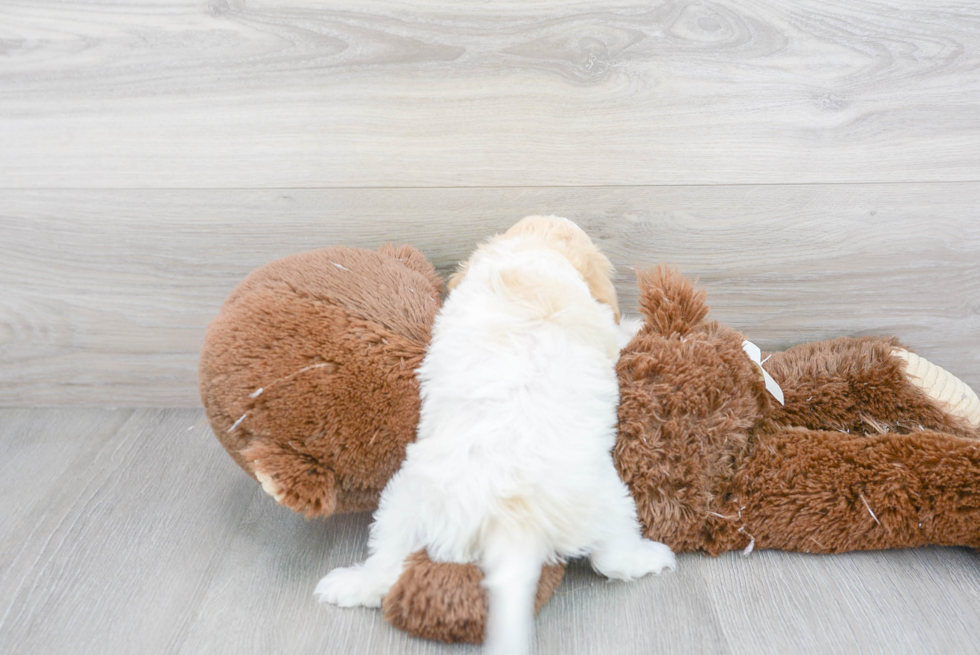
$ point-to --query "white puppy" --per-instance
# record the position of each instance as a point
(512, 466)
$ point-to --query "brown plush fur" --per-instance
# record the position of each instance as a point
(831, 492)
(333, 338)
(853, 385)
(458, 612)
(855, 460)
(859, 457)
(689, 396)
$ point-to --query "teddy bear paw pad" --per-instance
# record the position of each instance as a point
(269, 485)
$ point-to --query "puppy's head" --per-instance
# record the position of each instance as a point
(568, 239)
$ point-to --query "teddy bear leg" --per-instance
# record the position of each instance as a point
(830, 492)
(447, 602)
(865, 386)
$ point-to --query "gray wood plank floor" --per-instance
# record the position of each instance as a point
(131, 531)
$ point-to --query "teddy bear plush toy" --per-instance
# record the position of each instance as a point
(307, 377)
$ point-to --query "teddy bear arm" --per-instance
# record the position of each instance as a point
(831, 492)
(865, 386)
(447, 602)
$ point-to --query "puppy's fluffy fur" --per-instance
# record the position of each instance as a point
(512, 466)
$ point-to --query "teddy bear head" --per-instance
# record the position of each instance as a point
(308, 372)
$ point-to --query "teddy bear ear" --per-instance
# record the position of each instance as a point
(416, 261)
(669, 301)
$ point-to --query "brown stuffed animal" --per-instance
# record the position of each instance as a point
(874, 447)
(307, 378)
(308, 373)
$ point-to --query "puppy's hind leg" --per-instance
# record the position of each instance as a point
(621, 552)
(394, 536)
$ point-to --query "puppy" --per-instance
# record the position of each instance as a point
(512, 467)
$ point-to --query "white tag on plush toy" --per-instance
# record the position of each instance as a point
(755, 354)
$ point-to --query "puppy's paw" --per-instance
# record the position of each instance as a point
(628, 562)
(654, 557)
(350, 587)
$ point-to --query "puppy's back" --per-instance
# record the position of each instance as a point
(520, 377)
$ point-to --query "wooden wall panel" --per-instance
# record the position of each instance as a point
(104, 295)
(234, 94)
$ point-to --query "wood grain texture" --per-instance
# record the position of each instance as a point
(36, 450)
(120, 543)
(104, 295)
(144, 537)
(235, 94)
(872, 602)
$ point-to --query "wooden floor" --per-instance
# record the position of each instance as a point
(815, 162)
(131, 531)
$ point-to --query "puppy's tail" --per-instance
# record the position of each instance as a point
(511, 563)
